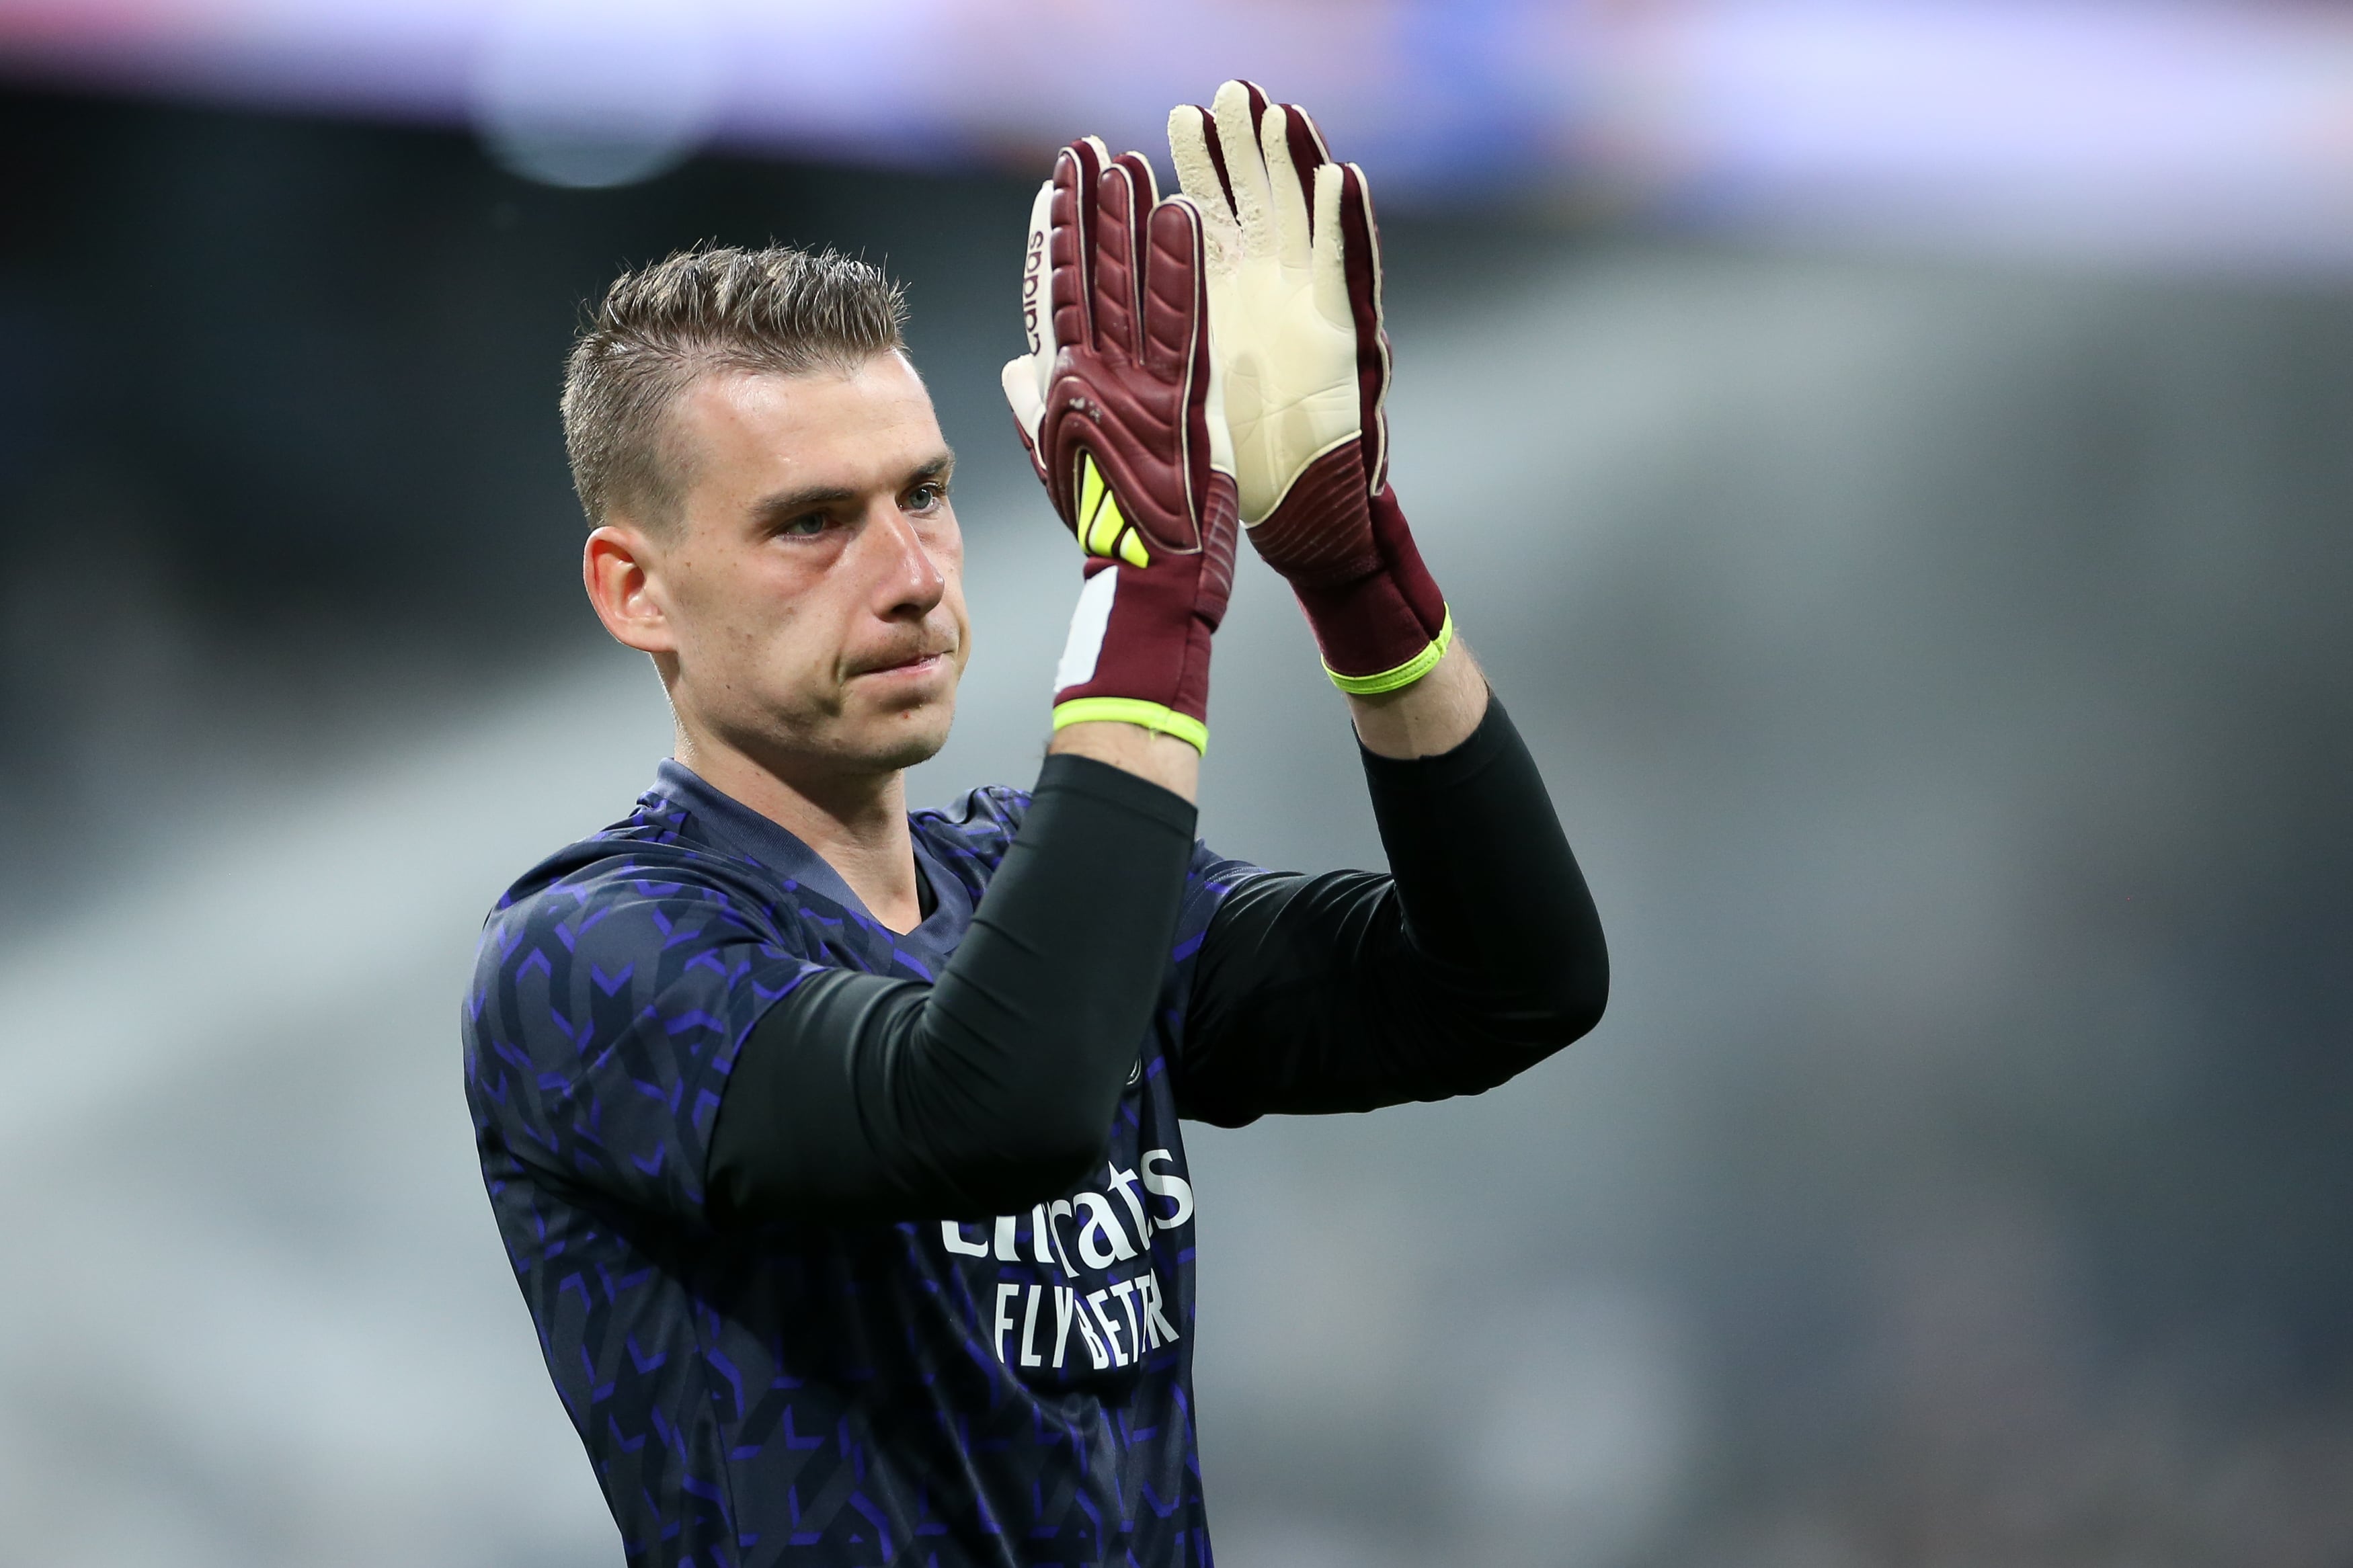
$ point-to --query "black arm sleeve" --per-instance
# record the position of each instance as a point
(860, 1097)
(1480, 955)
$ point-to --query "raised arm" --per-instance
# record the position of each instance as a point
(858, 1096)
(1484, 954)
(1476, 957)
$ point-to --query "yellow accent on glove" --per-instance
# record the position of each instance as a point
(1151, 715)
(1104, 529)
(1405, 674)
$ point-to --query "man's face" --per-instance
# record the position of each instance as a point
(811, 587)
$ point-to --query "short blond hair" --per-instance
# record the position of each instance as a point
(710, 309)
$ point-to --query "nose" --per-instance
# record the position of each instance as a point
(908, 583)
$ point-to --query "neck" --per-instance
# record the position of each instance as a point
(856, 822)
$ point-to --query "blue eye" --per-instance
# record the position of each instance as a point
(804, 527)
(924, 497)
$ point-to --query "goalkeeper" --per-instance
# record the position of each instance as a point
(836, 1149)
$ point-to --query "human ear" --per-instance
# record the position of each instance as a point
(618, 568)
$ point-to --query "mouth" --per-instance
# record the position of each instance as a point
(911, 666)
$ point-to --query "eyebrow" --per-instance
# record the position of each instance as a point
(792, 503)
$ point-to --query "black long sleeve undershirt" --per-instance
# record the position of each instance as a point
(858, 1096)
(1479, 955)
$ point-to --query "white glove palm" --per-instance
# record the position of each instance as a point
(1282, 329)
(1292, 272)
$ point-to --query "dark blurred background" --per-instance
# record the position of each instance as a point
(1931, 614)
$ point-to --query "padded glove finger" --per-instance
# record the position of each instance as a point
(1129, 442)
(1296, 329)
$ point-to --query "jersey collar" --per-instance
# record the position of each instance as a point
(740, 831)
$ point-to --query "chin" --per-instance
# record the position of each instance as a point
(907, 749)
(903, 739)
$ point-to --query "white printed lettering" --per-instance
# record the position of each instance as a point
(952, 1237)
(1038, 1243)
(1172, 1186)
(1005, 1252)
(1125, 1291)
(1029, 1356)
(1101, 1222)
(1148, 1286)
(1124, 1183)
(1005, 1293)
(1159, 1329)
(1101, 1357)
(1110, 1329)
(1061, 1207)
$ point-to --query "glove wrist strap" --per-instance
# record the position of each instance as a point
(1400, 676)
(1156, 717)
(1388, 628)
(1139, 652)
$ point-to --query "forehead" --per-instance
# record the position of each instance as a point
(757, 433)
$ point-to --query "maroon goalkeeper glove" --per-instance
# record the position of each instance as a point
(1117, 403)
(1295, 291)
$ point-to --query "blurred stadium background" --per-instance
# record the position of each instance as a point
(1895, 457)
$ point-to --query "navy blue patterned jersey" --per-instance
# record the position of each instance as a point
(1006, 1391)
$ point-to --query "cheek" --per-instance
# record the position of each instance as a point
(952, 603)
(784, 637)
(948, 559)
(746, 621)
